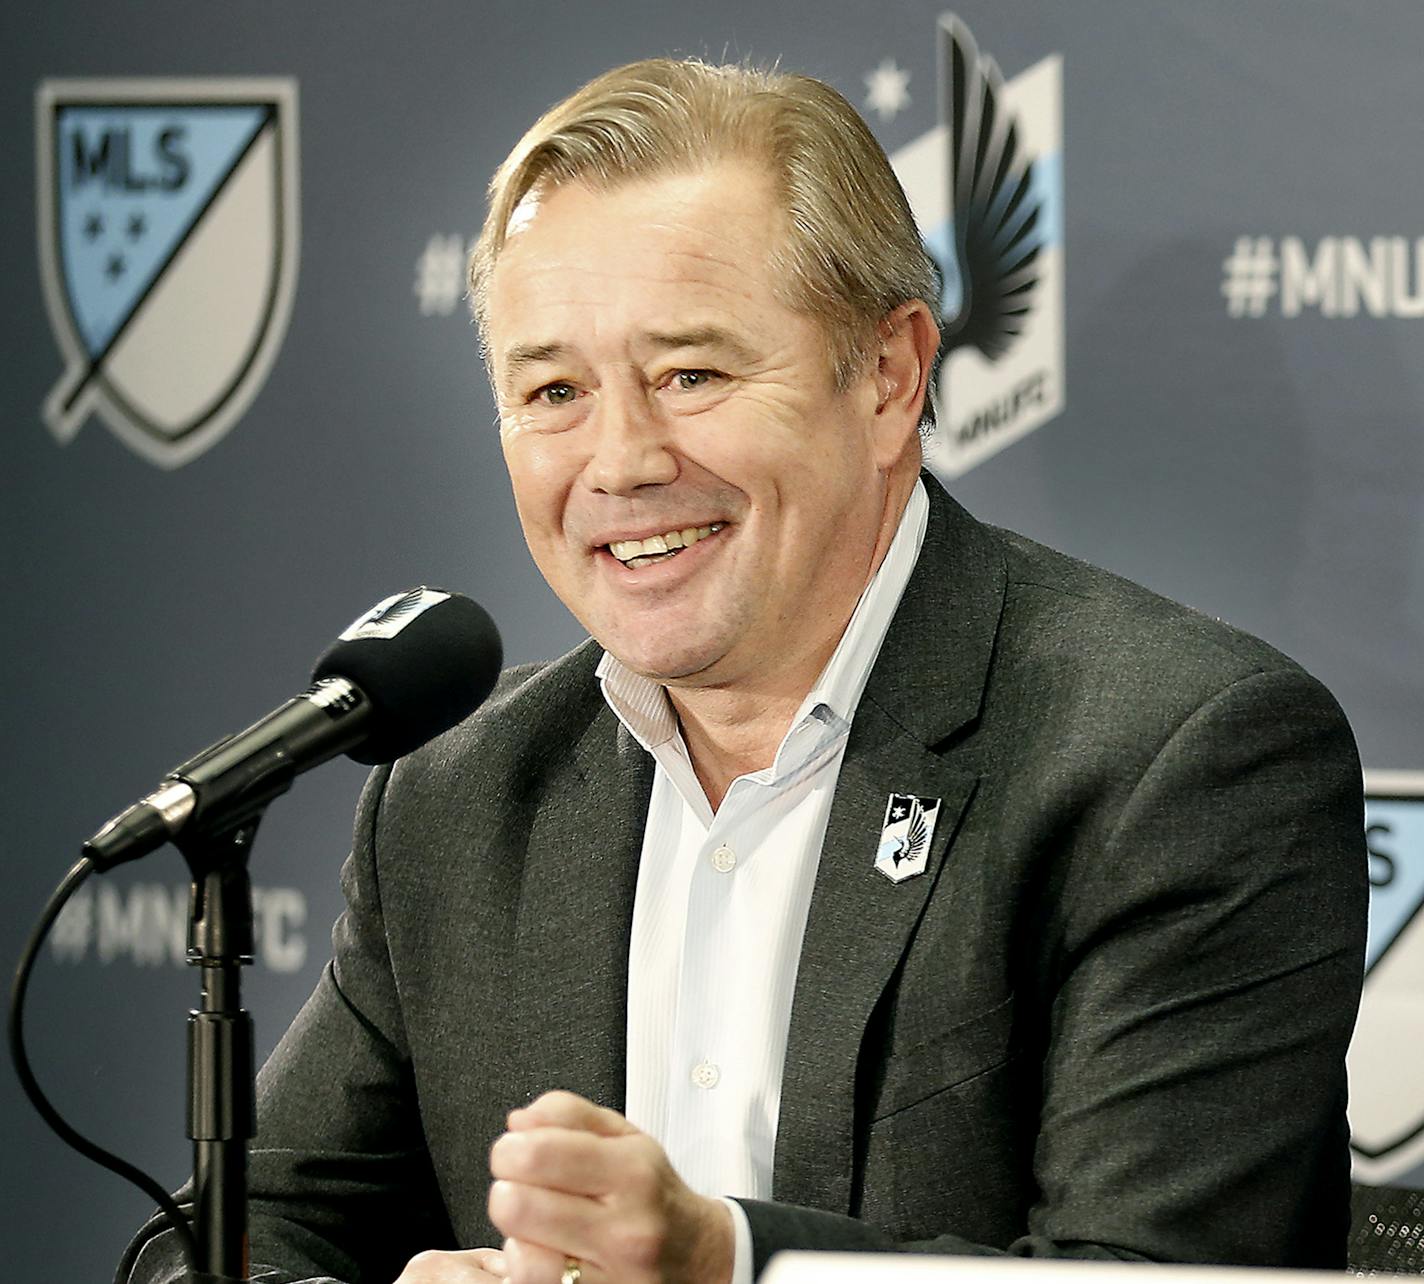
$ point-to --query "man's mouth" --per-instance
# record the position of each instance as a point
(634, 553)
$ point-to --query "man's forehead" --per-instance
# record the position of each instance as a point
(680, 261)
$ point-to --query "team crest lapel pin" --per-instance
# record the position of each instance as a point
(905, 836)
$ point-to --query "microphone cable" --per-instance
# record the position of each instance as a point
(170, 1211)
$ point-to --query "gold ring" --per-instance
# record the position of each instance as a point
(573, 1272)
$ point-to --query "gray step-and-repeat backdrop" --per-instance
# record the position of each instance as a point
(242, 401)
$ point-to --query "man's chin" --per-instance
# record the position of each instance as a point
(670, 667)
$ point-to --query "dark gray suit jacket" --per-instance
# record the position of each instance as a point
(1109, 1020)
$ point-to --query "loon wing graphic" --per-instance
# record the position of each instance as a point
(995, 212)
(917, 835)
(401, 607)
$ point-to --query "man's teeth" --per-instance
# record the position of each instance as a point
(658, 548)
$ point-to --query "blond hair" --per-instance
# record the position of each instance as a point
(850, 253)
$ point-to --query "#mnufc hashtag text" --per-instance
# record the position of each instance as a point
(1339, 276)
(147, 925)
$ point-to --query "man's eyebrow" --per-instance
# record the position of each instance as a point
(523, 355)
(531, 354)
(706, 336)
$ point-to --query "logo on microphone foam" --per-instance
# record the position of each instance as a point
(389, 617)
(168, 249)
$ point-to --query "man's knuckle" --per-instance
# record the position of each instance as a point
(538, 1151)
(507, 1203)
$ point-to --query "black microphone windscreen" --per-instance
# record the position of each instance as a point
(425, 659)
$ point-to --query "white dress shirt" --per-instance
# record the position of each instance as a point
(721, 905)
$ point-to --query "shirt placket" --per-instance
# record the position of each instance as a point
(717, 1040)
(707, 1088)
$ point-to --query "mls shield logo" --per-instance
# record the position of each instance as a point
(905, 836)
(1386, 1058)
(986, 187)
(168, 246)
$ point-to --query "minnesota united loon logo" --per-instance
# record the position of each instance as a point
(390, 615)
(905, 836)
(168, 245)
(986, 187)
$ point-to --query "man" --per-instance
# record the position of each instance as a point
(875, 878)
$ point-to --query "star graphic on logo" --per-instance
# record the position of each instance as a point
(114, 268)
(93, 227)
(137, 226)
(898, 813)
(889, 89)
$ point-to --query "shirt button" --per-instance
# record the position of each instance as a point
(705, 1074)
(723, 860)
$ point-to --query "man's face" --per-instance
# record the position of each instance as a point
(651, 386)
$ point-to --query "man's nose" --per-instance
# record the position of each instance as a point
(631, 446)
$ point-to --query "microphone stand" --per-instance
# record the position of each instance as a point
(222, 1107)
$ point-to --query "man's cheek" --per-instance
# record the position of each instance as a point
(538, 497)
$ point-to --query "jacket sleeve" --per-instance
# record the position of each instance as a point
(1193, 1088)
(341, 1188)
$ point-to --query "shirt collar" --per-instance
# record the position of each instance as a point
(642, 704)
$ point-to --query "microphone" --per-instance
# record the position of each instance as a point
(411, 667)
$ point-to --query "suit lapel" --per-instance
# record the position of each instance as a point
(927, 684)
(859, 925)
(575, 915)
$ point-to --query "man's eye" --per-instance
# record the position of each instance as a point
(687, 380)
(556, 394)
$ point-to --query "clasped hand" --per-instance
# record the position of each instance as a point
(573, 1180)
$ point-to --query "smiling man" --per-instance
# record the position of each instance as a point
(872, 878)
(692, 478)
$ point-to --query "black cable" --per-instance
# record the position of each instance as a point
(70, 884)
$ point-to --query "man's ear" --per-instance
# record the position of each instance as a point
(907, 340)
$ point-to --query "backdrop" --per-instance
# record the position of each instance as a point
(242, 401)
